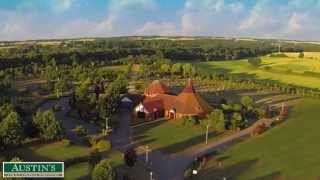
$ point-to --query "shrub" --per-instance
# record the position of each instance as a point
(80, 130)
(103, 171)
(260, 113)
(103, 145)
(190, 121)
(66, 142)
(130, 157)
(94, 158)
(56, 107)
(267, 68)
(255, 62)
(92, 140)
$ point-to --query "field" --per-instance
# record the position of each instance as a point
(56, 151)
(289, 151)
(290, 70)
(160, 136)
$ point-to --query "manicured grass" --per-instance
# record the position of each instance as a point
(289, 151)
(59, 151)
(168, 136)
(82, 170)
(56, 151)
(279, 69)
(77, 171)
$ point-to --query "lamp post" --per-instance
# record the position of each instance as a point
(107, 126)
(207, 133)
(147, 154)
(151, 178)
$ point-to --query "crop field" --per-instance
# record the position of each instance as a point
(289, 151)
(291, 69)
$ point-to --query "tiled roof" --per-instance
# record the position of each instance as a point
(157, 87)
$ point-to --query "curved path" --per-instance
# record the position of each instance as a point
(164, 166)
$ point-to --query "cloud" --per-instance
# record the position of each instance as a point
(118, 5)
(154, 28)
(60, 6)
(209, 17)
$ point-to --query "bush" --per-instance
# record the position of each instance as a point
(80, 130)
(103, 171)
(66, 142)
(130, 157)
(267, 68)
(103, 145)
(186, 121)
(190, 121)
(260, 113)
(255, 62)
(56, 108)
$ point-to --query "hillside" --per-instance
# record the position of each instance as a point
(289, 151)
(290, 70)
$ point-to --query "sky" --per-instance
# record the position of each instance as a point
(47, 19)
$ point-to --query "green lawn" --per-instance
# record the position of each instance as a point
(59, 151)
(77, 171)
(82, 170)
(289, 151)
(56, 151)
(279, 69)
(168, 136)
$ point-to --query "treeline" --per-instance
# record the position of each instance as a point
(107, 51)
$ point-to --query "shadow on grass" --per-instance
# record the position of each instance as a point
(180, 146)
(230, 172)
(271, 176)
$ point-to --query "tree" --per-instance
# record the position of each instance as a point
(187, 69)
(301, 55)
(176, 68)
(215, 120)
(11, 130)
(48, 126)
(236, 120)
(255, 61)
(247, 102)
(165, 68)
(82, 90)
(103, 171)
(130, 157)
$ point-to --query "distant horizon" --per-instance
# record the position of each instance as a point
(22, 20)
(164, 36)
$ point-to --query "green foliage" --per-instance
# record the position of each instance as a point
(254, 62)
(11, 130)
(48, 126)
(260, 113)
(80, 130)
(301, 55)
(103, 145)
(82, 90)
(16, 159)
(236, 120)
(215, 120)
(66, 142)
(247, 102)
(103, 171)
(186, 121)
(176, 68)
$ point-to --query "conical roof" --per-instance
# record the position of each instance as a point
(191, 103)
(156, 87)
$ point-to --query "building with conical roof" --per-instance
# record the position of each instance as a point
(155, 88)
(158, 103)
